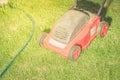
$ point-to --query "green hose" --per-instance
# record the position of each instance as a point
(24, 46)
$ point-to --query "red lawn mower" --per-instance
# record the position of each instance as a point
(74, 31)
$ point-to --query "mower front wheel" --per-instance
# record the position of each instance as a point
(74, 53)
(41, 38)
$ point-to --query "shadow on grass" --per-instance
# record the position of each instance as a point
(94, 8)
(46, 30)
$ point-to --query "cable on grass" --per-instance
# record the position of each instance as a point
(24, 46)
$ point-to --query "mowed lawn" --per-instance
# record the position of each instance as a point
(100, 61)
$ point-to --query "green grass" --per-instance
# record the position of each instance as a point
(100, 61)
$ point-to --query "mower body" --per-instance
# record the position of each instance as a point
(74, 28)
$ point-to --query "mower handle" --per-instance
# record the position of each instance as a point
(101, 7)
(75, 4)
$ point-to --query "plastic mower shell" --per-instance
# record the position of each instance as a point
(73, 32)
(74, 29)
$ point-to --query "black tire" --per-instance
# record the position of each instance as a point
(102, 29)
(74, 53)
(41, 38)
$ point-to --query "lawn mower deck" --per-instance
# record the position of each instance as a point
(73, 32)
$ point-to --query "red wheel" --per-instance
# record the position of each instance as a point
(74, 53)
(103, 28)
